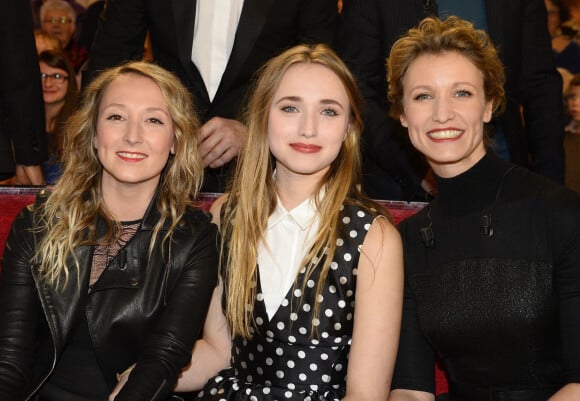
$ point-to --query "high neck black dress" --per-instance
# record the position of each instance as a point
(493, 286)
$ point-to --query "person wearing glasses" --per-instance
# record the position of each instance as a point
(35, 8)
(59, 18)
(60, 95)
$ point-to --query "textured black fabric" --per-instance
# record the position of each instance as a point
(500, 311)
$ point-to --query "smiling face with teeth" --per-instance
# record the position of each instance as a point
(444, 109)
(135, 134)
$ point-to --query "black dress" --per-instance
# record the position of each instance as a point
(283, 360)
(496, 293)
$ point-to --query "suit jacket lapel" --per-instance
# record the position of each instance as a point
(252, 20)
(184, 15)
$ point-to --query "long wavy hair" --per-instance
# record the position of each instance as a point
(252, 196)
(56, 59)
(69, 215)
(434, 36)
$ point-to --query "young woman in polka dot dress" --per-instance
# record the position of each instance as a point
(312, 268)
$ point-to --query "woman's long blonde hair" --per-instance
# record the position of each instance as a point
(69, 215)
(252, 197)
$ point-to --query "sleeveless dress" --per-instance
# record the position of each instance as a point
(284, 360)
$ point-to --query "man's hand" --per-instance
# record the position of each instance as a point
(221, 140)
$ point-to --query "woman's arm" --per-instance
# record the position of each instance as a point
(377, 316)
(410, 395)
(212, 352)
(169, 343)
(570, 391)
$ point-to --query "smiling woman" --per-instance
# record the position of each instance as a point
(444, 106)
(118, 266)
(492, 265)
(308, 123)
(134, 140)
(60, 96)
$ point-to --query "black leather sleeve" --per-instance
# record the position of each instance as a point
(19, 311)
(168, 346)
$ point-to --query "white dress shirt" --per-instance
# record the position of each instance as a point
(216, 22)
(289, 236)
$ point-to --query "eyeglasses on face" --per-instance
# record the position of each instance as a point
(57, 20)
(56, 77)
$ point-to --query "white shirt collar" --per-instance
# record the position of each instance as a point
(303, 214)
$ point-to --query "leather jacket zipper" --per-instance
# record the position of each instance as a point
(159, 390)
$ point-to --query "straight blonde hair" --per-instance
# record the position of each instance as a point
(252, 196)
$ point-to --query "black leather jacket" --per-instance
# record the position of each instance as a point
(144, 310)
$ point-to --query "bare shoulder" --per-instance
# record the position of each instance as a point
(382, 233)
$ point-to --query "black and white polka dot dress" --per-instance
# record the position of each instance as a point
(282, 360)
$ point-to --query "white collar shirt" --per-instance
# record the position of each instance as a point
(288, 238)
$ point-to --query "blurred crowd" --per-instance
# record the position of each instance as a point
(76, 39)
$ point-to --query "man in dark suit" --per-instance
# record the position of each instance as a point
(22, 132)
(265, 28)
(532, 123)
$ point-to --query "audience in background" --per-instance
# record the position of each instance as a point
(572, 138)
(22, 134)
(59, 18)
(46, 41)
(35, 8)
(572, 97)
(218, 71)
(86, 3)
(60, 94)
(574, 8)
(564, 39)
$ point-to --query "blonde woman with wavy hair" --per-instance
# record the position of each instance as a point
(312, 268)
(115, 268)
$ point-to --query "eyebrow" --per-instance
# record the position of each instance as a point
(298, 99)
(454, 84)
(153, 108)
